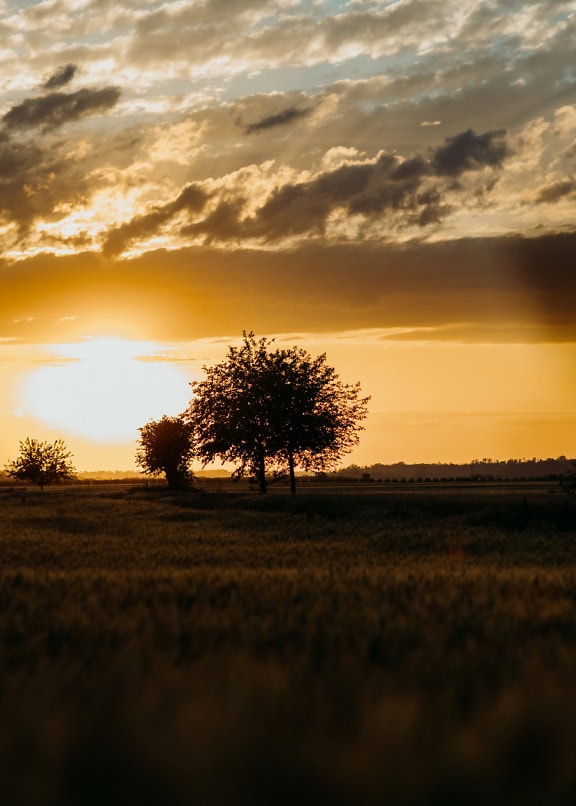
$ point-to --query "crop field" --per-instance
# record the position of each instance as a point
(403, 647)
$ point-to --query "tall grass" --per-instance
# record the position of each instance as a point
(229, 649)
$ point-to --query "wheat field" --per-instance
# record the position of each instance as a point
(212, 648)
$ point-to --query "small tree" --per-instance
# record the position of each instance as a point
(267, 410)
(42, 462)
(165, 446)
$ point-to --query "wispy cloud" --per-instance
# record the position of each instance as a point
(61, 77)
(58, 108)
(282, 118)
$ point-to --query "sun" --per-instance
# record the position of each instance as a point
(104, 389)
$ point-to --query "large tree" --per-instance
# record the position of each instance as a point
(274, 410)
(229, 412)
(165, 446)
(42, 462)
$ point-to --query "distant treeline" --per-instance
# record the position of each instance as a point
(484, 469)
(481, 470)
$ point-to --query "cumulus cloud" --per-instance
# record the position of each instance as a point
(469, 152)
(388, 185)
(409, 192)
(54, 110)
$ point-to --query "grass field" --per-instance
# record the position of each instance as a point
(394, 647)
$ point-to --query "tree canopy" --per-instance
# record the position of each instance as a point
(165, 446)
(274, 410)
(42, 462)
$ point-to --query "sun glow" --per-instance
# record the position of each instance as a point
(104, 389)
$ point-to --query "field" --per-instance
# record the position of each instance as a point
(392, 646)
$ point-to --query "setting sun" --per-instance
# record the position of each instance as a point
(104, 389)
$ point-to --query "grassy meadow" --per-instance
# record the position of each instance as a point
(385, 647)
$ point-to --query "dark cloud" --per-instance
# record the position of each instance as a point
(303, 207)
(57, 108)
(192, 198)
(556, 191)
(222, 224)
(288, 115)
(18, 175)
(469, 151)
(529, 284)
(61, 77)
(37, 178)
(388, 185)
(411, 169)
(34, 182)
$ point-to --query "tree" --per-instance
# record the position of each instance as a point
(229, 411)
(42, 462)
(165, 446)
(314, 417)
(568, 482)
(274, 411)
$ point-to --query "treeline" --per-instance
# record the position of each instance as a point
(480, 470)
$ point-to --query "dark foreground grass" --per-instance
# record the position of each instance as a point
(386, 648)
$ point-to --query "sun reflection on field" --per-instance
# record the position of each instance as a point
(104, 388)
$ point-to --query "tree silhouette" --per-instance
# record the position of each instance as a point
(568, 481)
(229, 411)
(314, 417)
(42, 462)
(274, 410)
(165, 446)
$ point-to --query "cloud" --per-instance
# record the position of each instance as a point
(279, 34)
(288, 115)
(192, 198)
(409, 192)
(222, 224)
(556, 191)
(528, 283)
(54, 110)
(34, 182)
(216, 92)
(61, 77)
(387, 185)
(470, 152)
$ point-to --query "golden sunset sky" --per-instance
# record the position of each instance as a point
(392, 183)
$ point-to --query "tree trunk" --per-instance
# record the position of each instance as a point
(261, 472)
(292, 474)
(175, 479)
(171, 480)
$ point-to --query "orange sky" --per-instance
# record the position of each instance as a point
(392, 183)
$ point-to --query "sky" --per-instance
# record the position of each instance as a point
(390, 183)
